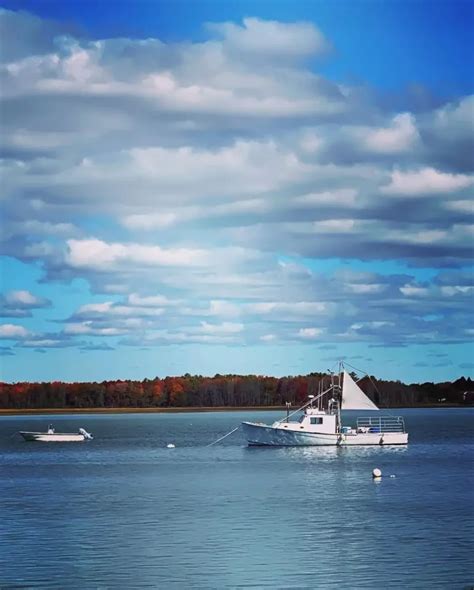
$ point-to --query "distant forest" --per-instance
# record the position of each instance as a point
(221, 391)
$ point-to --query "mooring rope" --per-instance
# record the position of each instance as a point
(223, 437)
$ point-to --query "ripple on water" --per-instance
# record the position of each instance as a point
(126, 512)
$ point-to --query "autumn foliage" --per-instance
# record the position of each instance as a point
(217, 391)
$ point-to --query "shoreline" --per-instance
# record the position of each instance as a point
(179, 410)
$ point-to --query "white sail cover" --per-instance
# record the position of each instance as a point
(353, 398)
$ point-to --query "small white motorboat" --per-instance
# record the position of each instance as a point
(52, 436)
(320, 423)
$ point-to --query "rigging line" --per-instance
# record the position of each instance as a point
(223, 437)
(355, 368)
(335, 366)
(381, 397)
(311, 401)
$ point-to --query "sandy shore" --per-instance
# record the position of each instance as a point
(44, 411)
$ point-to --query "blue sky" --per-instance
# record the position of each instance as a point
(236, 187)
(388, 44)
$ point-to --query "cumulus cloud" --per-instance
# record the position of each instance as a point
(345, 307)
(21, 303)
(97, 254)
(94, 347)
(426, 181)
(448, 134)
(268, 337)
(80, 328)
(400, 136)
(24, 34)
(178, 179)
(272, 39)
(220, 329)
(13, 332)
(48, 342)
(309, 333)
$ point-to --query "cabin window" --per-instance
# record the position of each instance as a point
(316, 420)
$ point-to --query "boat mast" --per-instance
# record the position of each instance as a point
(339, 397)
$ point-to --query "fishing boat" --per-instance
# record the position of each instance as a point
(320, 422)
(52, 436)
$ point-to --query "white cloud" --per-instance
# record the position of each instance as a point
(371, 325)
(40, 342)
(42, 228)
(400, 136)
(13, 332)
(461, 206)
(151, 221)
(339, 197)
(453, 290)
(165, 219)
(223, 329)
(97, 254)
(414, 291)
(456, 118)
(310, 333)
(289, 309)
(256, 166)
(426, 181)
(268, 338)
(272, 39)
(364, 289)
(429, 236)
(135, 299)
(335, 225)
(224, 308)
(24, 34)
(22, 298)
(108, 309)
(80, 328)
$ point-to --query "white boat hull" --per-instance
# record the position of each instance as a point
(264, 435)
(55, 437)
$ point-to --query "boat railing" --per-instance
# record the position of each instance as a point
(381, 424)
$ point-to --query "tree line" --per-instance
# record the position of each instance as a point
(221, 391)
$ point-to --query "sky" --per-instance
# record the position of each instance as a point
(236, 187)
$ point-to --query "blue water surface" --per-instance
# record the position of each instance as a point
(123, 511)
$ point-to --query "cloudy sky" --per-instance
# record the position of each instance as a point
(236, 187)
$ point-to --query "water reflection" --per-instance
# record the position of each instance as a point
(327, 453)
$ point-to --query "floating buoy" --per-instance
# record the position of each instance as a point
(393, 476)
(376, 473)
(170, 446)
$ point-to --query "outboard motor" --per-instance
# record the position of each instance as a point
(85, 434)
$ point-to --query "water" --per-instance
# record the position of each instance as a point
(123, 511)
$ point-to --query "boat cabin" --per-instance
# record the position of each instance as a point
(312, 420)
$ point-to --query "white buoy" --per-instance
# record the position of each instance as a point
(393, 475)
(170, 446)
(376, 473)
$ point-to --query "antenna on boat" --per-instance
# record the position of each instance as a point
(339, 395)
(331, 387)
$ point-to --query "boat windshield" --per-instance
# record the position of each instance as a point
(302, 417)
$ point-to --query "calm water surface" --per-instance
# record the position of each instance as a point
(123, 511)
